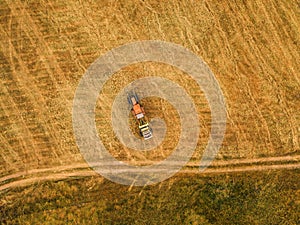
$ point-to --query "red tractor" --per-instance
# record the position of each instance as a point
(139, 113)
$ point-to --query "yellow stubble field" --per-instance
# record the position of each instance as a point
(252, 47)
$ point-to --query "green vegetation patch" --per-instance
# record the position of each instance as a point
(248, 198)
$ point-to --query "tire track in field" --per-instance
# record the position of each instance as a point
(62, 172)
(11, 54)
(31, 26)
(257, 110)
(35, 98)
(29, 84)
(289, 115)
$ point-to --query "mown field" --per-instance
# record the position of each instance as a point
(252, 47)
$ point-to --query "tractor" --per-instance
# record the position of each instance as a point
(138, 112)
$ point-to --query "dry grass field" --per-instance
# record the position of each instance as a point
(252, 47)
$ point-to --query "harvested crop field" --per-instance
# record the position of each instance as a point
(252, 47)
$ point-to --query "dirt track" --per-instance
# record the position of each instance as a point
(63, 172)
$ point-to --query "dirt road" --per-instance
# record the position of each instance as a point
(63, 172)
